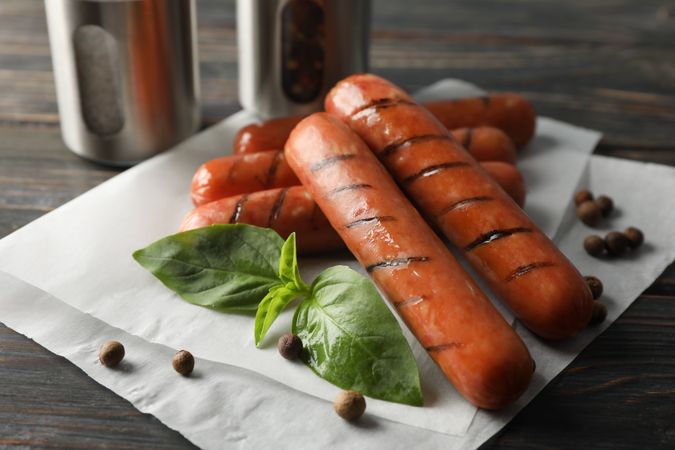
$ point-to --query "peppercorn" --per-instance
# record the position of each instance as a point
(589, 213)
(289, 346)
(599, 313)
(349, 405)
(594, 245)
(635, 237)
(582, 196)
(595, 285)
(616, 243)
(606, 205)
(111, 353)
(183, 362)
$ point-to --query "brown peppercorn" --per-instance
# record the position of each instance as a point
(599, 313)
(183, 362)
(606, 205)
(616, 243)
(349, 405)
(594, 245)
(289, 346)
(582, 196)
(589, 213)
(111, 353)
(595, 285)
(634, 236)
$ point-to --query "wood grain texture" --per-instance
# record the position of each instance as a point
(605, 64)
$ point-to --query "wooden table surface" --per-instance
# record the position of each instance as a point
(604, 64)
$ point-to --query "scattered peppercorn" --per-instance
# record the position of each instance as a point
(349, 405)
(289, 346)
(616, 243)
(111, 353)
(606, 205)
(595, 285)
(635, 237)
(589, 213)
(582, 196)
(599, 313)
(183, 362)
(594, 245)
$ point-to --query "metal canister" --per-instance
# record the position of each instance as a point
(126, 74)
(291, 52)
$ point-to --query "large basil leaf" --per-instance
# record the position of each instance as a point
(351, 338)
(224, 267)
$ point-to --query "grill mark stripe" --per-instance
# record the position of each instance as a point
(369, 220)
(486, 100)
(443, 347)
(238, 208)
(400, 145)
(396, 262)
(468, 139)
(522, 270)
(411, 301)
(433, 170)
(349, 187)
(276, 209)
(466, 202)
(272, 170)
(330, 161)
(381, 103)
(495, 235)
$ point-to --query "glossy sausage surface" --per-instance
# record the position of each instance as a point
(486, 144)
(509, 178)
(509, 112)
(520, 264)
(241, 174)
(266, 135)
(284, 210)
(443, 307)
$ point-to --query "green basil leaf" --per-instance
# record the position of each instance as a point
(351, 338)
(288, 266)
(224, 267)
(269, 309)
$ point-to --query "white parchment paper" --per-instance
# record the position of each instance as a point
(80, 254)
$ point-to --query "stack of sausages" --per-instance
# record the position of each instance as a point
(348, 176)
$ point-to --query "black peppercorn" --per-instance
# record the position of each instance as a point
(183, 362)
(289, 346)
(349, 405)
(594, 245)
(595, 285)
(616, 243)
(589, 213)
(582, 196)
(599, 313)
(606, 205)
(634, 236)
(111, 353)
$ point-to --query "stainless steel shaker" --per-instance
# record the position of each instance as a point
(291, 52)
(127, 75)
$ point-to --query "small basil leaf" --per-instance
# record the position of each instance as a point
(351, 338)
(269, 309)
(224, 267)
(288, 266)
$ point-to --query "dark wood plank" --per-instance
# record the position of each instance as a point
(605, 64)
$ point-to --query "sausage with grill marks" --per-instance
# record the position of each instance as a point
(443, 307)
(509, 112)
(243, 174)
(521, 265)
(284, 210)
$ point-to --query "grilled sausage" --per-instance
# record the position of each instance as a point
(241, 174)
(509, 112)
(284, 210)
(509, 178)
(443, 307)
(520, 264)
(486, 144)
(266, 135)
